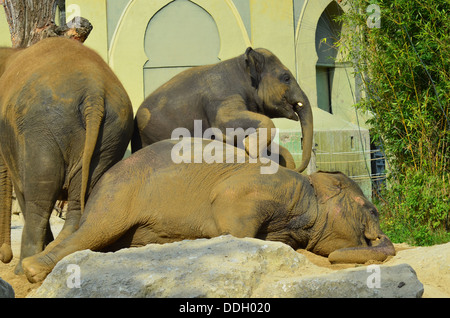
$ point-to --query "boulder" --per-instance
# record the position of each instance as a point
(6, 291)
(219, 267)
(372, 281)
(432, 265)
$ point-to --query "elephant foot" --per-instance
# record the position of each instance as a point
(6, 253)
(35, 269)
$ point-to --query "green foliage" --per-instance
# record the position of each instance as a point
(416, 209)
(404, 68)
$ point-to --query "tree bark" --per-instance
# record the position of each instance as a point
(33, 20)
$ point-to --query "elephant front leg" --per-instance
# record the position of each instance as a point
(242, 128)
(285, 158)
(280, 155)
(259, 141)
(5, 214)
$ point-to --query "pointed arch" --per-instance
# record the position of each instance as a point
(305, 36)
(127, 54)
(179, 36)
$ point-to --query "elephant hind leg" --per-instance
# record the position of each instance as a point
(71, 223)
(73, 214)
(36, 231)
(42, 184)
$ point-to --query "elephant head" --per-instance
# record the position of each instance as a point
(347, 228)
(280, 95)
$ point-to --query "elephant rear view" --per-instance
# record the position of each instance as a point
(65, 119)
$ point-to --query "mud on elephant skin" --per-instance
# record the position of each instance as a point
(147, 198)
(242, 92)
(64, 120)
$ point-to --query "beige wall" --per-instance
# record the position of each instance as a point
(95, 12)
(272, 26)
(5, 36)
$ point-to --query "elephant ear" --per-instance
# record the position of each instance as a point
(255, 63)
(326, 185)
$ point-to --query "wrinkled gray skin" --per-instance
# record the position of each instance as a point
(64, 120)
(242, 92)
(147, 198)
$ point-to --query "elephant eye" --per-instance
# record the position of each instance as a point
(285, 78)
(373, 212)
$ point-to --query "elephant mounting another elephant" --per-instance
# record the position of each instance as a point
(64, 120)
(147, 198)
(243, 92)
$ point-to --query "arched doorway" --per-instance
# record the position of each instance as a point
(127, 55)
(327, 36)
(305, 38)
(179, 36)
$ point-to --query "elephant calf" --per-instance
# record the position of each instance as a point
(147, 198)
(238, 97)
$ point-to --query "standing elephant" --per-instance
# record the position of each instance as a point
(242, 92)
(147, 198)
(64, 120)
(5, 54)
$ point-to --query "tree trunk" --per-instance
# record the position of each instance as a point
(33, 20)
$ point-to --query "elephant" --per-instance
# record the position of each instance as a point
(147, 198)
(65, 119)
(244, 93)
(5, 53)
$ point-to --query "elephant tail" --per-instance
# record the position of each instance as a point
(93, 112)
(6, 253)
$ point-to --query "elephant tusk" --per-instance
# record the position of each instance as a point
(300, 104)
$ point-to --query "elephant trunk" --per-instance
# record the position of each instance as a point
(305, 116)
(379, 251)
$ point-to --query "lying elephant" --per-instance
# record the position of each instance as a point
(238, 95)
(147, 198)
(64, 120)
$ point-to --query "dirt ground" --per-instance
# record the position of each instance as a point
(435, 285)
(20, 283)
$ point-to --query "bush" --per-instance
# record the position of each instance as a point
(416, 209)
(404, 68)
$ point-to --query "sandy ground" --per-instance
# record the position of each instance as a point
(20, 283)
(436, 286)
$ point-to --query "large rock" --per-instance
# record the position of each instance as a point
(219, 267)
(6, 291)
(432, 265)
